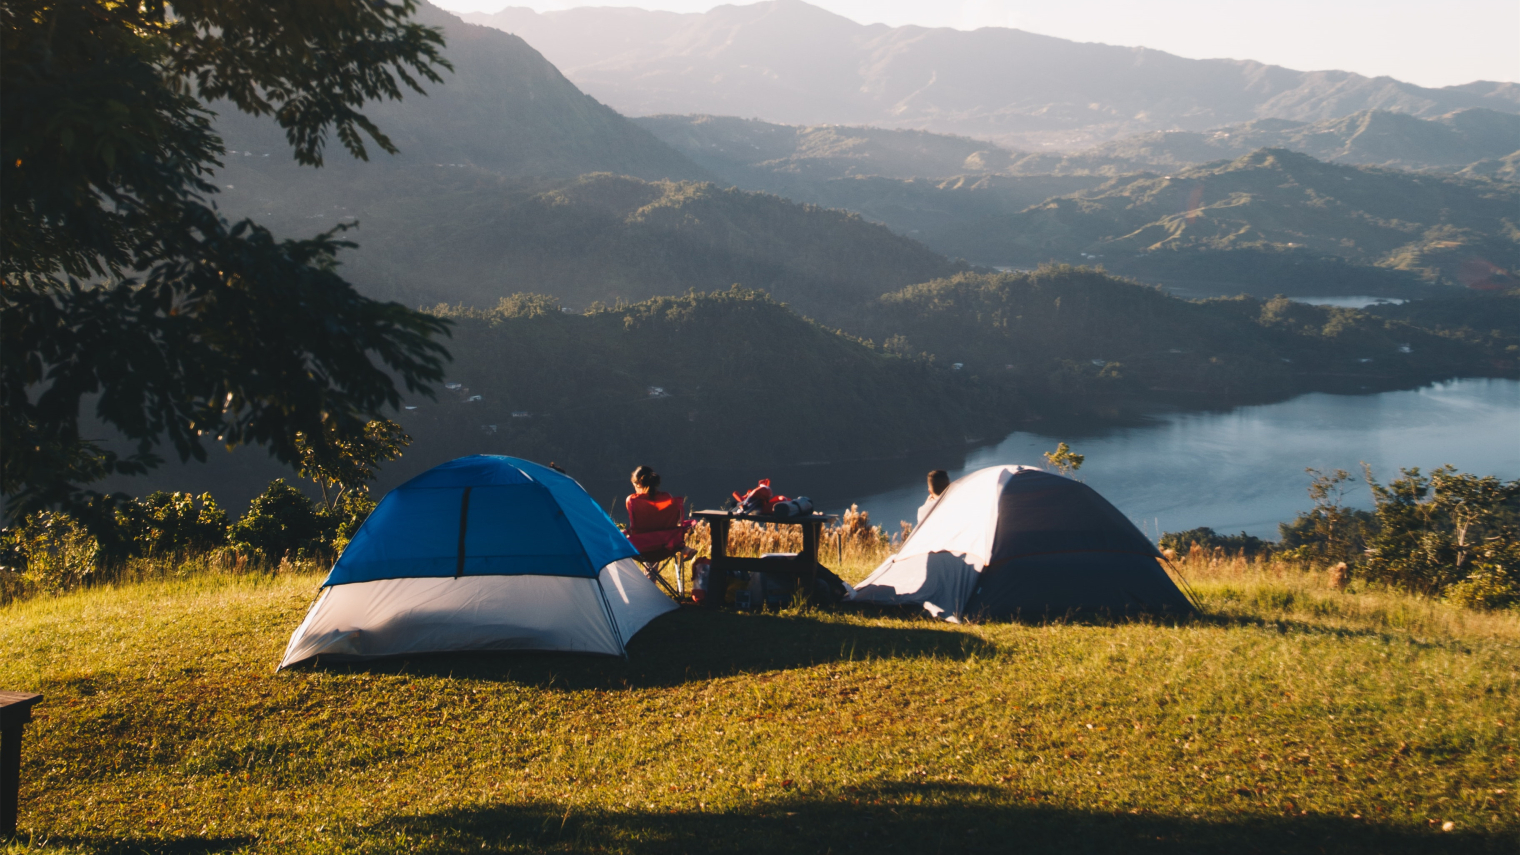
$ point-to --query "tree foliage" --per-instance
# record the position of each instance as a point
(166, 525)
(281, 522)
(1447, 531)
(1065, 460)
(1206, 538)
(343, 466)
(123, 287)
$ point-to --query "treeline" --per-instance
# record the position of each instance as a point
(1444, 534)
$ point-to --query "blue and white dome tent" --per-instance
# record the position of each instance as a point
(481, 553)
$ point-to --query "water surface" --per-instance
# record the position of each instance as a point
(1349, 302)
(1243, 470)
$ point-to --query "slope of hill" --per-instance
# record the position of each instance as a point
(463, 235)
(764, 155)
(1067, 332)
(1272, 204)
(693, 379)
(726, 380)
(505, 109)
(1506, 168)
(1372, 137)
(755, 150)
(787, 61)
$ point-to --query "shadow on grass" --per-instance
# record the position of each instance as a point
(696, 645)
(909, 817)
(1149, 618)
(136, 845)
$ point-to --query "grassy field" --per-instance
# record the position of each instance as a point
(1291, 717)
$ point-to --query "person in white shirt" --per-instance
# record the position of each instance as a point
(939, 482)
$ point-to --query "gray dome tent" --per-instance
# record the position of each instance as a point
(1014, 540)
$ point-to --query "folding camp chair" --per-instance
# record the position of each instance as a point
(662, 547)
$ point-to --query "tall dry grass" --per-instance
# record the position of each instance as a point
(845, 547)
(45, 579)
(1238, 587)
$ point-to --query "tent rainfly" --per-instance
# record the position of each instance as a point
(481, 553)
(1011, 540)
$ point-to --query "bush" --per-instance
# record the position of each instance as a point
(170, 525)
(282, 522)
(1233, 544)
(1486, 589)
(52, 553)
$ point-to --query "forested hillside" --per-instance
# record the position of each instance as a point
(1073, 332)
(466, 236)
(761, 155)
(1271, 204)
(691, 379)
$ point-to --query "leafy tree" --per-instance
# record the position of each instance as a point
(1065, 462)
(1330, 532)
(343, 466)
(121, 283)
(1438, 531)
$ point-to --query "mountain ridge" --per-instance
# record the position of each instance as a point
(789, 62)
(505, 109)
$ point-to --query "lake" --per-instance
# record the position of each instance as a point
(1237, 470)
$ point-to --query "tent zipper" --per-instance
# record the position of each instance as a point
(464, 521)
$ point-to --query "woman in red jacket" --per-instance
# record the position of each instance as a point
(655, 518)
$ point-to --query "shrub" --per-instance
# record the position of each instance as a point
(1233, 544)
(55, 552)
(283, 523)
(1486, 589)
(171, 524)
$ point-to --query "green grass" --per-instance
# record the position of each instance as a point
(1292, 717)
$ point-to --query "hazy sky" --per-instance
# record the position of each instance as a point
(1429, 42)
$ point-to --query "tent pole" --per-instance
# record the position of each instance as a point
(611, 618)
(1187, 589)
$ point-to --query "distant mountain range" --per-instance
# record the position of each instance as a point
(488, 199)
(1263, 221)
(1372, 138)
(786, 61)
(763, 155)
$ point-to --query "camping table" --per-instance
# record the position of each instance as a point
(804, 565)
(15, 712)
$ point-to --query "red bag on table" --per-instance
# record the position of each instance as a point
(759, 500)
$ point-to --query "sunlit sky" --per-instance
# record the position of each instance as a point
(1428, 42)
